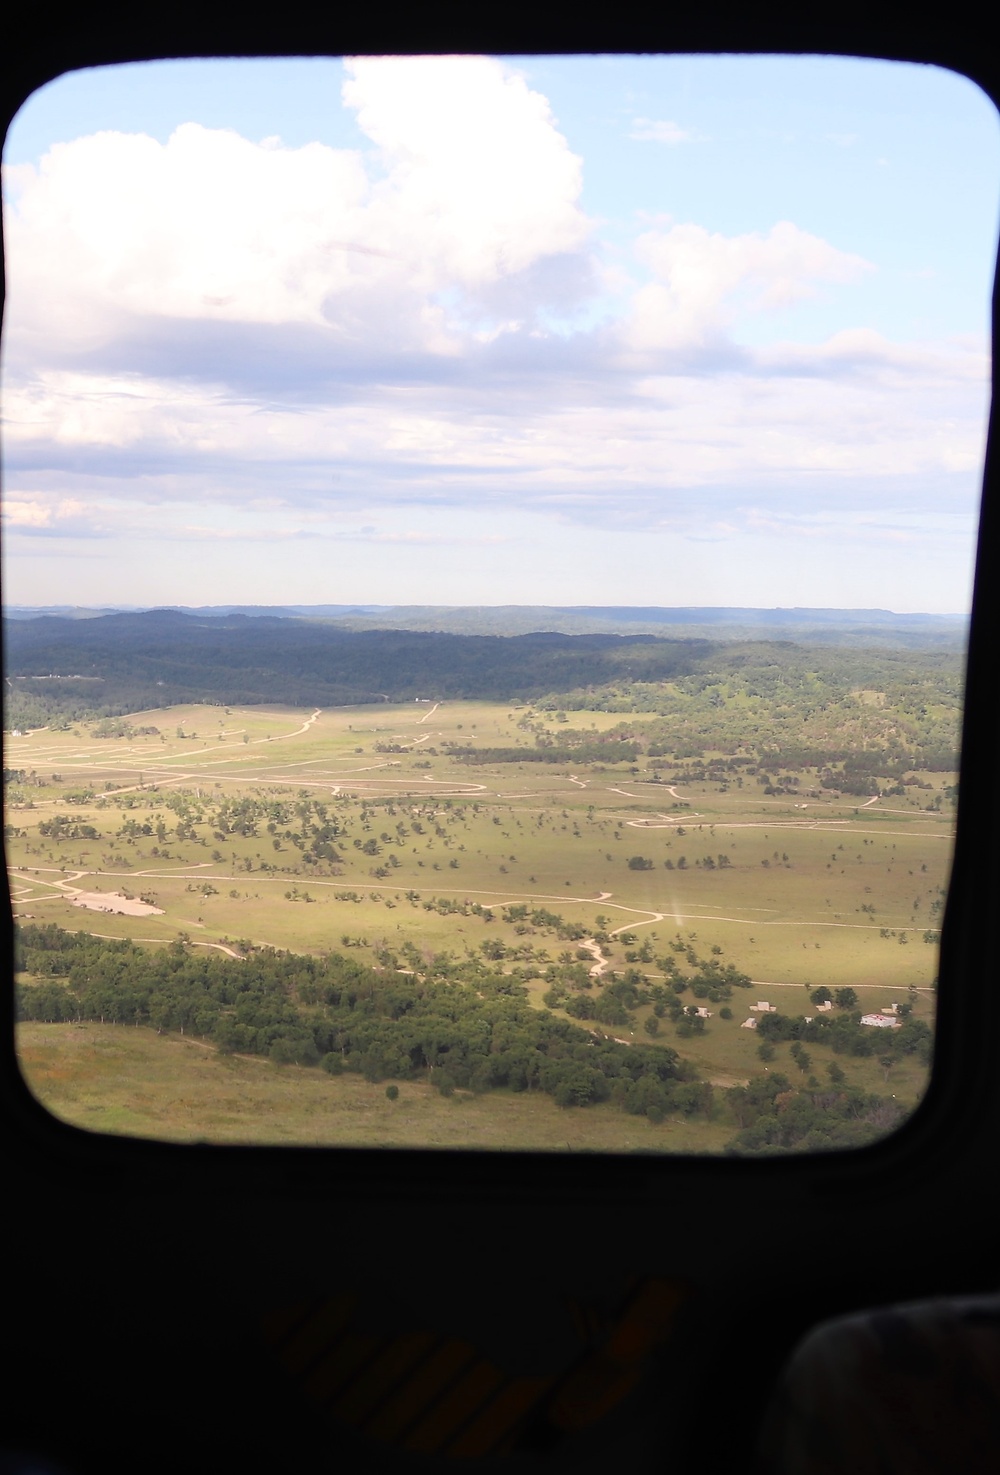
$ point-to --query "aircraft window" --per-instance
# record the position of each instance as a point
(488, 550)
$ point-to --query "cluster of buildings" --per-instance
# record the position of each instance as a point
(886, 1018)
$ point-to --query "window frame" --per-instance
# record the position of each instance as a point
(957, 1119)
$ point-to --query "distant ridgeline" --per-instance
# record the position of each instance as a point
(866, 627)
(128, 662)
(872, 714)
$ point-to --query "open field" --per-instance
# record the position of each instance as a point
(109, 1078)
(788, 907)
(319, 831)
(113, 1078)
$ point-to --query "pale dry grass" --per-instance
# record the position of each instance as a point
(118, 1079)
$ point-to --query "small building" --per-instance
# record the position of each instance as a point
(825, 1006)
(750, 1023)
(703, 1013)
(880, 1021)
(763, 1007)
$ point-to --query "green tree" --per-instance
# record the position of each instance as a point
(801, 1056)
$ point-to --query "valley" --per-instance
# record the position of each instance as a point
(564, 849)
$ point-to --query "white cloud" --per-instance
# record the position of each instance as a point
(597, 451)
(698, 274)
(857, 352)
(206, 225)
(220, 339)
(659, 130)
(45, 514)
(480, 183)
(22, 514)
(474, 182)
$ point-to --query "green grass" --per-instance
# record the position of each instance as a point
(556, 836)
(116, 1079)
(727, 1054)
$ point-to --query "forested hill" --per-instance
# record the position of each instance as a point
(858, 628)
(707, 692)
(127, 662)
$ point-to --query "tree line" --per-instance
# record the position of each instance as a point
(120, 663)
(861, 719)
(457, 1026)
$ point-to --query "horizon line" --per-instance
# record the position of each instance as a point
(361, 608)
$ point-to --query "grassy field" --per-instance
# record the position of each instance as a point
(795, 890)
(109, 1078)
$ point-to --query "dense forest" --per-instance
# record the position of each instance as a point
(864, 719)
(460, 1025)
(124, 663)
(469, 1028)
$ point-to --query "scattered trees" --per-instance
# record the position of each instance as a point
(460, 1025)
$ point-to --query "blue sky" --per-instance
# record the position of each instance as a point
(691, 330)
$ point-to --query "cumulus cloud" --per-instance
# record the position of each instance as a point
(23, 514)
(471, 182)
(42, 514)
(285, 337)
(480, 183)
(206, 225)
(698, 274)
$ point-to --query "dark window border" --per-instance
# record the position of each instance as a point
(945, 1141)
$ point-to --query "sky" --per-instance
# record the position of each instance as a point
(476, 330)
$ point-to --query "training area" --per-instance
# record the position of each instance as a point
(402, 833)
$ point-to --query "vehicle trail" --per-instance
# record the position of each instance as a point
(646, 915)
(192, 942)
(601, 963)
(666, 821)
(650, 918)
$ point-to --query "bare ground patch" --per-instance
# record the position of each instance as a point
(114, 901)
